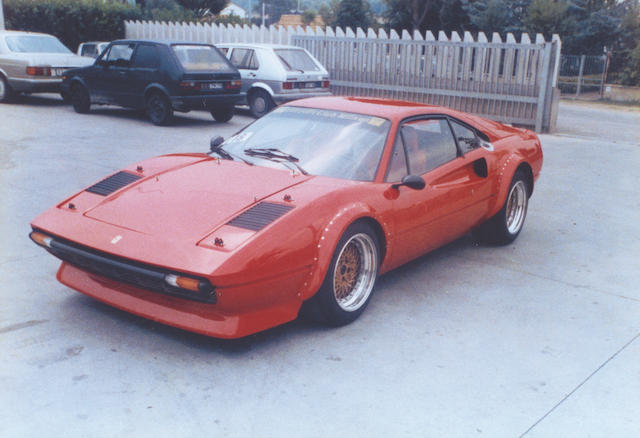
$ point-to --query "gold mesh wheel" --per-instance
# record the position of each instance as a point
(355, 272)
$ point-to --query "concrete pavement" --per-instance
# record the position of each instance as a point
(537, 339)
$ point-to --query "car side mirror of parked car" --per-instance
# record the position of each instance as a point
(415, 182)
(215, 142)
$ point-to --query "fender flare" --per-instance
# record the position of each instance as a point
(331, 232)
(261, 85)
(506, 171)
(155, 87)
(77, 80)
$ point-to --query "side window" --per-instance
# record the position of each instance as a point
(466, 137)
(120, 54)
(244, 58)
(147, 56)
(429, 144)
(224, 50)
(89, 50)
(398, 162)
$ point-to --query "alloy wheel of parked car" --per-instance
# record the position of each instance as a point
(222, 114)
(260, 103)
(351, 277)
(80, 99)
(505, 225)
(159, 109)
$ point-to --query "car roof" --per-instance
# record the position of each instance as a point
(259, 45)
(22, 32)
(397, 110)
(162, 42)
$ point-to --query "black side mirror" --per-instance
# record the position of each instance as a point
(414, 182)
(215, 142)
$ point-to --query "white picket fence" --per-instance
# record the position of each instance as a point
(508, 81)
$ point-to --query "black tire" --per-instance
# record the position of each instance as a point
(80, 99)
(345, 294)
(159, 109)
(260, 103)
(223, 113)
(6, 93)
(505, 226)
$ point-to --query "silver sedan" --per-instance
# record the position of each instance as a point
(33, 63)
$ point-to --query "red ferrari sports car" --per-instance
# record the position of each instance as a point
(302, 209)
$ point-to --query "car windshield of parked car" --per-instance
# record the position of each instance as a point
(35, 44)
(296, 60)
(201, 58)
(325, 142)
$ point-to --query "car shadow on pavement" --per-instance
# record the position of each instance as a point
(82, 308)
(46, 100)
(179, 119)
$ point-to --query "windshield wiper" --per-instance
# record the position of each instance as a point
(216, 148)
(275, 155)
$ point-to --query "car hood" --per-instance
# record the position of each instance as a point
(187, 203)
(52, 59)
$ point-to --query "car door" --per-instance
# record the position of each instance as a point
(144, 69)
(114, 82)
(246, 61)
(457, 192)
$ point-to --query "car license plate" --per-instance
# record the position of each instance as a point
(213, 85)
(58, 71)
(310, 85)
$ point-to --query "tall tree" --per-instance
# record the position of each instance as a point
(214, 6)
(354, 13)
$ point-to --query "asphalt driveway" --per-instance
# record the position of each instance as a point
(538, 339)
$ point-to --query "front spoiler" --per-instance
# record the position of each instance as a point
(203, 318)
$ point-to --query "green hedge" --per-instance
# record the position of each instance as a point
(72, 21)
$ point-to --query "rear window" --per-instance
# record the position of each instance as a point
(296, 60)
(35, 44)
(201, 58)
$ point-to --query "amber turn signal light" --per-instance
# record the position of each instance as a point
(41, 239)
(183, 282)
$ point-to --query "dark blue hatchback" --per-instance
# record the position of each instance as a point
(157, 76)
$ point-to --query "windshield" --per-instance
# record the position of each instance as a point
(35, 44)
(328, 143)
(201, 58)
(296, 60)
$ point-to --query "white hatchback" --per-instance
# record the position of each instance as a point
(274, 74)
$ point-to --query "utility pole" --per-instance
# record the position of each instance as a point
(262, 14)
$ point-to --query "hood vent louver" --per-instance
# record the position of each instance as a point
(259, 216)
(113, 183)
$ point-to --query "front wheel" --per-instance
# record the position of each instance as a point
(222, 114)
(80, 99)
(349, 282)
(505, 225)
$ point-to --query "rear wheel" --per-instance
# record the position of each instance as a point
(159, 109)
(260, 103)
(6, 93)
(80, 99)
(223, 113)
(506, 225)
(349, 282)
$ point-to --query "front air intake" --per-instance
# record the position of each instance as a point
(113, 183)
(259, 216)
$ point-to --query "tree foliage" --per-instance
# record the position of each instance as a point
(354, 13)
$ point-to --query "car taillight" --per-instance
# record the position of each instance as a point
(287, 85)
(190, 85)
(326, 84)
(39, 71)
(233, 85)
